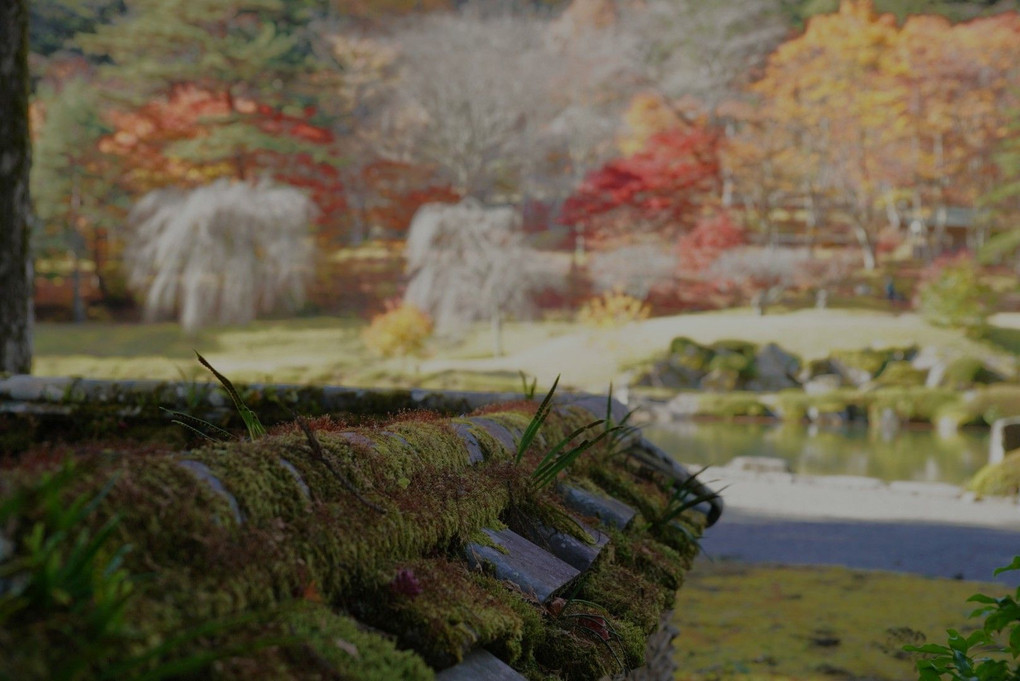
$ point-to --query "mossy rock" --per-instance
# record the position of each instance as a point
(814, 368)
(720, 379)
(736, 346)
(733, 405)
(981, 406)
(966, 372)
(685, 353)
(998, 479)
(910, 403)
(901, 373)
(859, 366)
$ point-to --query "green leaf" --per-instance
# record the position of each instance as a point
(1015, 565)
(982, 598)
(536, 422)
(957, 642)
(928, 649)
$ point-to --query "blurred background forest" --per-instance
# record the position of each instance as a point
(604, 160)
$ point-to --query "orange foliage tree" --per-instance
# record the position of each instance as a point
(863, 121)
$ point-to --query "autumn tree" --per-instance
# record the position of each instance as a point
(239, 60)
(658, 190)
(15, 162)
(475, 117)
(864, 121)
(703, 51)
(531, 110)
(760, 274)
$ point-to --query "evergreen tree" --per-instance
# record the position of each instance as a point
(72, 188)
(253, 54)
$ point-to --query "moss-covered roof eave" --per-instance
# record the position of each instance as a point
(406, 530)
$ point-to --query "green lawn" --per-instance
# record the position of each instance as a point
(766, 623)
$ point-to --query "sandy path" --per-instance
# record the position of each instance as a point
(927, 529)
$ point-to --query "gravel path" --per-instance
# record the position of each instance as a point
(927, 529)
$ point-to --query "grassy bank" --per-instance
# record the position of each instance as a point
(329, 350)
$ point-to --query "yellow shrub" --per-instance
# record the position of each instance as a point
(613, 308)
(401, 330)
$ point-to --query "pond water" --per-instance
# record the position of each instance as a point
(909, 454)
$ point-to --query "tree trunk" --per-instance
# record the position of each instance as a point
(15, 160)
(497, 331)
(867, 247)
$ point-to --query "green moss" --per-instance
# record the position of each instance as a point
(640, 552)
(739, 347)
(346, 647)
(792, 405)
(966, 372)
(304, 533)
(998, 479)
(982, 406)
(454, 611)
(868, 360)
(732, 405)
(626, 593)
(901, 373)
(689, 354)
(917, 404)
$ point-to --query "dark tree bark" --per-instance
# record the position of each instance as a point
(15, 160)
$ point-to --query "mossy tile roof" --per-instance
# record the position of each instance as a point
(372, 545)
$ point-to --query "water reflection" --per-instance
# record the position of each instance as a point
(909, 454)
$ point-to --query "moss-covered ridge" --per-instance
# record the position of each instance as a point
(343, 553)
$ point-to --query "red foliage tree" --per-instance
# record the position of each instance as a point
(661, 189)
(713, 235)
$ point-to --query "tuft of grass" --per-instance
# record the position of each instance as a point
(541, 414)
(562, 454)
(251, 420)
(528, 388)
(685, 495)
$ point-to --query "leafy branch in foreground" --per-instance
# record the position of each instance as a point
(956, 661)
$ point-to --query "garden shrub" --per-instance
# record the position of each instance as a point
(613, 308)
(998, 479)
(952, 294)
(401, 330)
(956, 662)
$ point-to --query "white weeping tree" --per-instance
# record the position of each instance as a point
(468, 262)
(221, 253)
